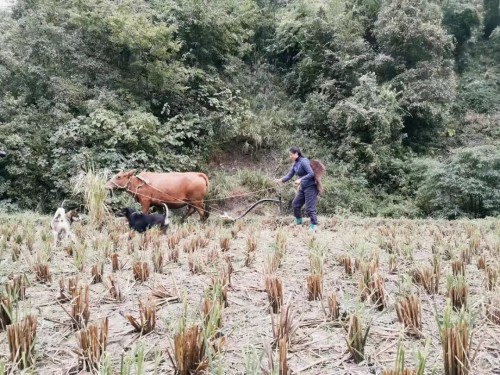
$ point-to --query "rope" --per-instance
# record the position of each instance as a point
(213, 199)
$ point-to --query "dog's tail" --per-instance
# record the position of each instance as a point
(167, 221)
(59, 213)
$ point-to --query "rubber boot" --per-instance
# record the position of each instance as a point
(312, 228)
(298, 220)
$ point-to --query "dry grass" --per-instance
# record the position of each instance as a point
(115, 262)
(333, 307)
(42, 271)
(92, 343)
(114, 289)
(158, 260)
(428, 278)
(6, 311)
(458, 291)
(65, 293)
(21, 338)
(141, 271)
(493, 309)
(91, 186)
(356, 337)
(80, 308)
(274, 289)
(491, 277)
(16, 287)
(147, 317)
(97, 271)
(455, 343)
(285, 327)
(189, 351)
(409, 312)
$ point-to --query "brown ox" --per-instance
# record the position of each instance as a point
(175, 189)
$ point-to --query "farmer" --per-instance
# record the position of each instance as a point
(308, 190)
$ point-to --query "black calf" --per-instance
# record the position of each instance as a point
(142, 222)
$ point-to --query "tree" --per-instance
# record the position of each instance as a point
(491, 16)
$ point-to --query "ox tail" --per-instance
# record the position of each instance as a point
(167, 221)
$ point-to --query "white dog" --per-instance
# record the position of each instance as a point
(61, 224)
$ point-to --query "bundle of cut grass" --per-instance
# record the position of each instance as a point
(141, 271)
(189, 351)
(115, 263)
(114, 289)
(427, 277)
(393, 264)
(377, 291)
(333, 307)
(16, 288)
(481, 263)
(368, 270)
(21, 338)
(65, 294)
(92, 343)
(314, 287)
(410, 314)
(458, 267)
(158, 260)
(491, 277)
(493, 310)
(92, 185)
(80, 311)
(465, 256)
(42, 271)
(6, 311)
(274, 289)
(356, 338)
(285, 327)
(221, 282)
(212, 311)
(315, 279)
(97, 272)
(173, 240)
(165, 296)
(251, 247)
(458, 291)
(147, 317)
(349, 264)
(455, 343)
(225, 243)
(196, 263)
(283, 360)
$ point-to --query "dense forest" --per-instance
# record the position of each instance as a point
(399, 98)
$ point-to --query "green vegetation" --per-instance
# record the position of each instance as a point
(399, 98)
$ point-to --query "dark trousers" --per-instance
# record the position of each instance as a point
(309, 196)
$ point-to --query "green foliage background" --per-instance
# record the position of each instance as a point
(400, 98)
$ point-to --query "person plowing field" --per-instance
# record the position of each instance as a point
(308, 184)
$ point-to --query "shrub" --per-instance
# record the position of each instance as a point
(465, 185)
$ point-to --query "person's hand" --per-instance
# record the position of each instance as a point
(297, 182)
(278, 181)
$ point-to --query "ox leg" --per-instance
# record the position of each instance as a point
(202, 212)
(145, 206)
(188, 213)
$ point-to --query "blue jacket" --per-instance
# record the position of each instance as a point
(301, 167)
